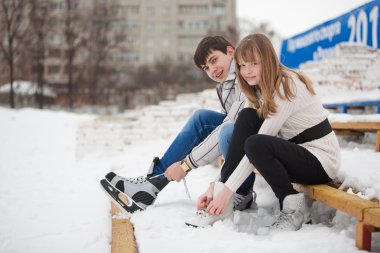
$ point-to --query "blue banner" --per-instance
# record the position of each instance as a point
(360, 25)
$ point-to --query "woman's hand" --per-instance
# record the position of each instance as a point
(205, 198)
(219, 203)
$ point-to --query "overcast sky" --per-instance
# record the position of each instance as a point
(294, 16)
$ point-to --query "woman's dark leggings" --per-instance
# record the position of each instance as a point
(279, 161)
(248, 123)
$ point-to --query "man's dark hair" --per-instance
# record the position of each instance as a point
(207, 45)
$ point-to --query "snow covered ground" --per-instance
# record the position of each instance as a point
(50, 200)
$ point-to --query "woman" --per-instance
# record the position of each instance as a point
(294, 143)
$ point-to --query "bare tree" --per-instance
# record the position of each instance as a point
(73, 33)
(12, 27)
(102, 41)
(38, 34)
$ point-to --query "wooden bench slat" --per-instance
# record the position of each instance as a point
(356, 125)
(348, 203)
(367, 212)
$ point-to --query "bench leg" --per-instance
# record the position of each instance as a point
(363, 236)
(378, 141)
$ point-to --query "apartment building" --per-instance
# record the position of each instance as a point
(147, 31)
(171, 29)
(142, 32)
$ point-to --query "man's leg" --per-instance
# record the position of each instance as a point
(144, 190)
(197, 128)
(225, 138)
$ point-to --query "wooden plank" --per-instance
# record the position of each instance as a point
(363, 237)
(345, 202)
(356, 125)
(123, 237)
(378, 141)
(348, 132)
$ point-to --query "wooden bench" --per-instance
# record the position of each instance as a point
(366, 212)
(123, 237)
(357, 128)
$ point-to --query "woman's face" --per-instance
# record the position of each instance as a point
(251, 72)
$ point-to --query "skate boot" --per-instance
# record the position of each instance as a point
(294, 213)
(246, 201)
(141, 190)
(202, 218)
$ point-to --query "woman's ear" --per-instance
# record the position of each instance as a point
(230, 51)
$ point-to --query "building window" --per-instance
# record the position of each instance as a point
(56, 6)
(165, 42)
(150, 58)
(56, 39)
(128, 57)
(219, 9)
(150, 11)
(132, 10)
(188, 9)
(150, 43)
(165, 26)
(131, 41)
(150, 27)
(55, 53)
(53, 69)
(193, 25)
(166, 11)
(120, 38)
(54, 21)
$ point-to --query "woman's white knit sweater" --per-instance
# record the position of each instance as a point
(293, 117)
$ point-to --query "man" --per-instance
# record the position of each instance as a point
(200, 142)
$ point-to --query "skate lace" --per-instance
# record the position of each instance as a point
(137, 180)
(202, 214)
(184, 184)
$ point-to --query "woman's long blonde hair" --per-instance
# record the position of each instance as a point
(258, 48)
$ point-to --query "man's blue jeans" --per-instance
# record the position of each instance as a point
(197, 128)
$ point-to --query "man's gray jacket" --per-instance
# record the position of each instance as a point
(232, 100)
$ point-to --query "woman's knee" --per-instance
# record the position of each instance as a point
(246, 113)
(255, 145)
(248, 117)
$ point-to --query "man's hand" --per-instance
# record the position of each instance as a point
(175, 172)
(205, 198)
(219, 203)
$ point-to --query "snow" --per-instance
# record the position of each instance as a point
(26, 88)
(50, 199)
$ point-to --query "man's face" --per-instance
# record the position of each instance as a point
(218, 64)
